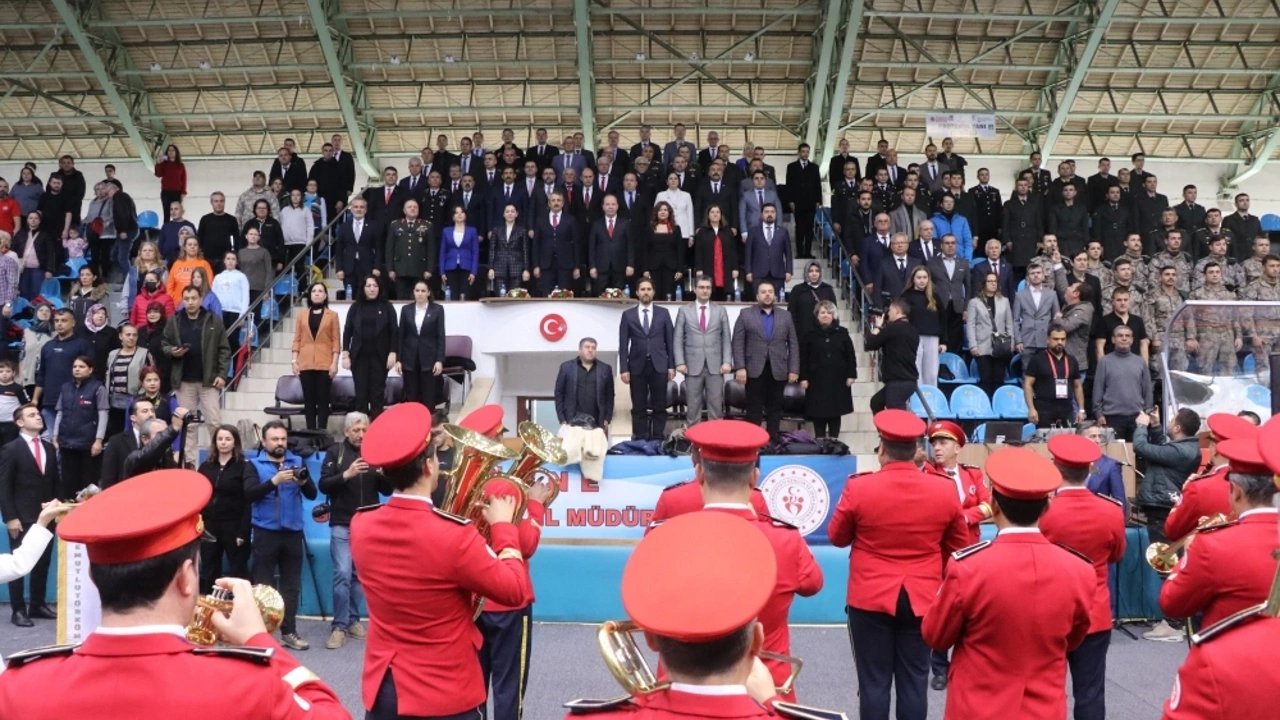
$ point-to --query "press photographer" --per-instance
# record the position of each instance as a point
(155, 443)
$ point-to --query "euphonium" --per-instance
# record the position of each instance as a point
(1163, 557)
(270, 605)
(540, 448)
(476, 457)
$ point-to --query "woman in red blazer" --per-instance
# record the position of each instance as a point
(317, 343)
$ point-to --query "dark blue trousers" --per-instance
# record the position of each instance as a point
(504, 659)
(1088, 665)
(384, 706)
(890, 654)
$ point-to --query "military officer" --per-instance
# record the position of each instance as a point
(1264, 331)
(898, 522)
(1232, 272)
(1255, 265)
(1163, 303)
(1012, 607)
(1214, 334)
(1171, 256)
(1094, 526)
(1209, 493)
(143, 539)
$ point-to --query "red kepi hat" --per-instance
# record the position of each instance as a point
(1021, 474)
(397, 435)
(733, 441)
(1074, 451)
(143, 517)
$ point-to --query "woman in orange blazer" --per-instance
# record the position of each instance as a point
(317, 341)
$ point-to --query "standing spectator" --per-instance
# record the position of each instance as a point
(509, 250)
(255, 262)
(357, 247)
(584, 389)
(1118, 316)
(123, 371)
(898, 342)
(54, 369)
(804, 185)
(38, 255)
(226, 517)
(153, 292)
(419, 350)
(766, 356)
(895, 268)
(34, 339)
(208, 300)
(413, 251)
(664, 242)
(124, 217)
(1105, 477)
(646, 362)
(993, 262)
(173, 230)
(231, 287)
(12, 397)
(289, 168)
(1112, 223)
(1034, 307)
(805, 298)
(754, 199)
(828, 367)
(925, 315)
(1122, 387)
(1069, 220)
(80, 427)
(1170, 461)
(325, 174)
(317, 342)
(950, 275)
(276, 490)
(349, 483)
(612, 249)
(270, 236)
(369, 345)
(989, 331)
(1077, 320)
(97, 220)
(196, 341)
(295, 223)
(247, 203)
(703, 349)
(121, 444)
(148, 260)
(102, 338)
(152, 389)
(27, 191)
(218, 231)
(947, 221)
(459, 256)
(715, 254)
(183, 267)
(1243, 226)
(1051, 381)
(56, 209)
(87, 292)
(1214, 334)
(10, 270)
(1022, 224)
(1148, 206)
(28, 479)
(768, 258)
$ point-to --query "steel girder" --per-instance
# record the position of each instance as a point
(586, 72)
(818, 95)
(835, 104)
(351, 94)
(1096, 34)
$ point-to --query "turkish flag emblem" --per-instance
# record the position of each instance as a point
(553, 327)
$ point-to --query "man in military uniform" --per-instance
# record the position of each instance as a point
(1156, 237)
(1163, 304)
(1254, 265)
(1214, 334)
(1213, 228)
(1232, 272)
(946, 438)
(1013, 607)
(1262, 323)
(988, 205)
(1124, 275)
(1133, 253)
(1093, 525)
(143, 539)
(1209, 493)
(1096, 266)
(895, 566)
(1171, 256)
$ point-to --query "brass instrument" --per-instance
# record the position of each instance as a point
(472, 472)
(540, 448)
(1163, 557)
(270, 605)
(630, 668)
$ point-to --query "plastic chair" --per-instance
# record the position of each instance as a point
(1013, 374)
(73, 269)
(979, 434)
(1270, 222)
(959, 371)
(148, 220)
(937, 403)
(1250, 365)
(1009, 404)
(1259, 395)
(51, 289)
(970, 402)
(1021, 284)
(1028, 432)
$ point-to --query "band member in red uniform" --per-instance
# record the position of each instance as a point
(1092, 525)
(508, 630)
(674, 590)
(686, 497)
(1208, 494)
(945, 440)
(1012, 607)
(1229, 567)
(727, 474)
(420, 568)
(900, 523)
(143, 539)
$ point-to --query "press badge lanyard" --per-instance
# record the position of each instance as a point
(1059, 384)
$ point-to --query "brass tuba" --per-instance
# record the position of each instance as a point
(270, 605)
(473, 471)
(540, 448)
(1163, 557)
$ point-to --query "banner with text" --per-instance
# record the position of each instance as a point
(79, 609)
(976, 125)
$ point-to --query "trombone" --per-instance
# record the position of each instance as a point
(1163, 557)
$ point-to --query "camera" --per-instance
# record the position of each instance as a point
(193, 416)
(300, 473)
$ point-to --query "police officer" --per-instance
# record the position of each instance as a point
(420, 568)
(1094, 526)
(1208, 494)
(1012, 607)
(142, 539)
(899, 522)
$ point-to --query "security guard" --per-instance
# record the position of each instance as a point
(726, 475)
(420, 568)
(1208, 494)
(1012, 607)
(1094, 526)
(946, 438)
(900, 522)
(709, 640)
(143, 538)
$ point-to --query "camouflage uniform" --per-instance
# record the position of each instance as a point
(1215, 329)
(1100, 271)
(1252, 270)
(1232, 273)
(1137, 301)
(1263, 322)
(1164, 308)
(1140, 263)
(1164, 259)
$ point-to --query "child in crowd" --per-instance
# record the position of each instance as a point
(12, 397)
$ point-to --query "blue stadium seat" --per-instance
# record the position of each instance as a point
(959, 371)
(1013, 375)
(970, 402)
(148, 220)
(1259, 395)
(937, 403)
(1271, 222)
(979, 434)
(1028, 432)
(1250, 365)
(1009, 404)
(1021, 284)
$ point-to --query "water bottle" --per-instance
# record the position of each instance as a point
(737, 291)
(448, 293)
(626, 290)
(502, 289)
(555, 290)
(782, 294)
(679, 293)
(349, 296)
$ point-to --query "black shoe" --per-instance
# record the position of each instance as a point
(939, 682)
(20, 619)
(44, 612)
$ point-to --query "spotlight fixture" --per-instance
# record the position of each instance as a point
(695, 57)
(641, 57)
(155, 67)
(205, 65)
(395, 59)
(749, 57)
(449, 58)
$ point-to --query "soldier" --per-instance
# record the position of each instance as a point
(1096, 266)
(1171, 256)
(1163, 305)
(884, 196)
(1261, 322)
(1112, 223)
(1253, 265)
(1133, 253)
(1214, 334)
(1232, 272)
(986, 198)
(1123, 274)
(1168, 222)
(1212, 229)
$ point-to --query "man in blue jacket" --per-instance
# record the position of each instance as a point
(276, 491)
(54, 368)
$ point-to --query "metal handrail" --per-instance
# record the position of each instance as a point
(862, 300)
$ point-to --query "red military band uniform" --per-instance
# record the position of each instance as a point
(1231, 676)
(1225, 569)
(686, 497)
(529, 531)
(971, 486)
(1093, 526)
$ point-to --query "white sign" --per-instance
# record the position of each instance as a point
(79, 609)
(960, 125)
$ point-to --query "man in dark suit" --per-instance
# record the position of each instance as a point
(542, 151)
(1023, 224)
(346, 180)
(442, 157)
(766, 356)
(804, 186)
(592, 198)
(412, 187)
(896, 267)
(471, 198)
(28, 479)
(541, 198)
(897, 173)
(924, 248)
(123, 443)
(384, 202)
(568, 158)
(714, 190)
(710, 153)
(1112, 223)
(769, 250)
(289, 168)
(988, 204)
(646, 141)
(877, 161)
(836, 168)
(1148, 206)
(1040, 178)
(950, 275)
(992, 263)
(1098, 183)
(647, 362)
(555, 247)
(584, 389)
(358, 246)
(612, 253)
(507, 192)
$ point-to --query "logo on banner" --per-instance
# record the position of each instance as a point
(797, 495)
(553, 327)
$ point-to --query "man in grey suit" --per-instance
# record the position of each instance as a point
(1034, 308)
(766, 356)
(950, 285)
(646, 362)
(754, 198)
(703, 347)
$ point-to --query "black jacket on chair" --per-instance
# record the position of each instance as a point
(23, 488)
(420, 349)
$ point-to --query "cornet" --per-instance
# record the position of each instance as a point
(270, 604)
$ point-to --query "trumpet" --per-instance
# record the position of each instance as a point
(629, 667)
(270, 605)
(1163, 557)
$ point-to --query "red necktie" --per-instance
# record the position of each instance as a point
(610, 227)
(388, 200)
(702, 321)
(555, 220)
(35, 446)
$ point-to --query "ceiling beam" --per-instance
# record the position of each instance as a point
(1194, 20)
(586, 72)
(1101, 22)
(822, 76)
(1261, 156)
(359, 129)
(835, 106)
(31, 66)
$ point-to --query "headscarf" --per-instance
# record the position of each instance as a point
(88, 318)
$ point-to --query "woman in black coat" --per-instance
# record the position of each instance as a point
(662, 245)
(369, 345)
(421, 347)
(270, 235)
(227, 514)
(509, 252)
(716, 232)
(828, 367)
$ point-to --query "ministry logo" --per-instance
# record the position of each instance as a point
(797, 495)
